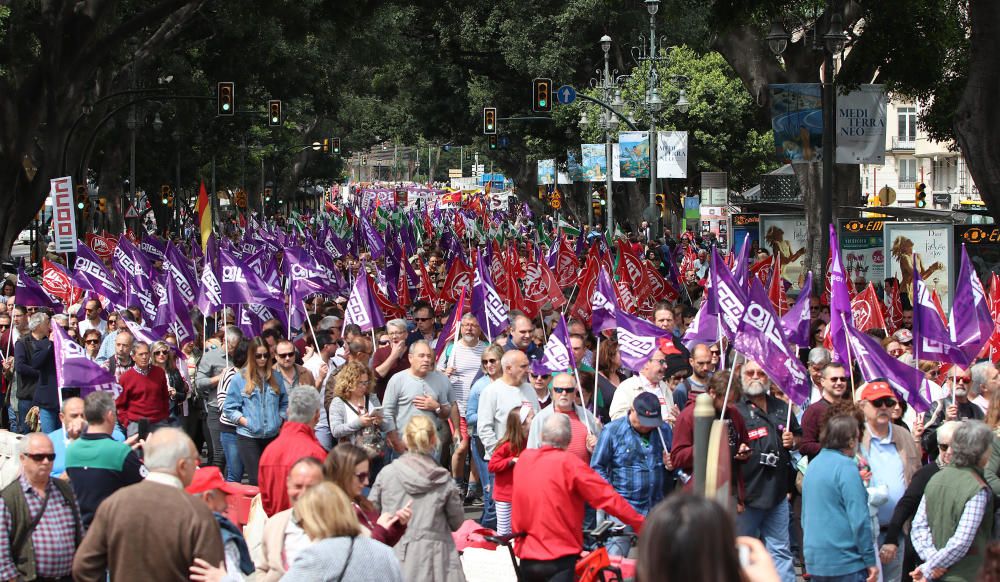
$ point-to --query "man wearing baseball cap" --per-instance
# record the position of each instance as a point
(893, 455)
(632, 458)
(212, 488)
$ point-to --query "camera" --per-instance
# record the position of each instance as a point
(769, 459)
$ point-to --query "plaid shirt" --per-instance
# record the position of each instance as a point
(631, 463)
(960, 542)
(54, 538)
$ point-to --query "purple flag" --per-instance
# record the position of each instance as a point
(726, 298)
(637, 340)
(558, 355)
(29, 293)
(741, 263)
(971, 324)
(181, 271)
(795, 323)
(149, 336)
(874, 362)
(931, 340)
(251, 317)
(89, 273)
(760, 339)
(209, 292)
(840, 301)
(376, 246)
(173, 313)
(487, 305)
(450, 327)
(604, 304)
(361, 306)
(75, 370)
(154, 248)
(240, 284)
(135, 270)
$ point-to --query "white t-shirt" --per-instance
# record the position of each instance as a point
(467, 361)
(85, 326)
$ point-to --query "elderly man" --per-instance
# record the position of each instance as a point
(283, 537)
(296, 440)
(35, 364)
(817, 359)
(551, 487)
(954, 522)
(93, 319)
(145, 395)
(121, 361)
(97, 464)
(108, 349)
(985, 380)
(74, 424)
(426, 328)
(521, 331)
(838, 532)
(833, 379)
(633, 460)
(894, 456)
(584, 425)
(120, 539)
(211, 369)
(500, 396)
(40, 518)
(417, 390)
(391, 359)
(768, 472)
(958, 406)
(461, 363)
(649, 379)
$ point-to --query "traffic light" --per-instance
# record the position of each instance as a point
(164, 193)
(102, 204)
(226, 98)
(493, 142)
(274, 113)
(336, 146)
(542, 93)
(660, 201)
(325, 146)
(81, 196)
(489, 120)
(921, 195)
(596, 206)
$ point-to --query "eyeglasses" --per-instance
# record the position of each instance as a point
(363, 476)
(943, 446)
(563, 390)
(837, 379)
(39, 457)
(885, 402)
(963, 379)
(541, 376)
(491, 361)
(678, 377)
(160, 353)
(755, 373)
(261, 356)
(364, 382)
(383, 342)
(420, 319)
(285, 355)
(4, 325)
(92, 342)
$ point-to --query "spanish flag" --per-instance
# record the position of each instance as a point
(204, 216)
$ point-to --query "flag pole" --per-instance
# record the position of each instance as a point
(579, 389)
(850, 365)
(315, 343)
(729, 384)
(225, 339)
(597, 373)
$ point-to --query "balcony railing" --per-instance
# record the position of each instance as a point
(907, 185)
(904, 143)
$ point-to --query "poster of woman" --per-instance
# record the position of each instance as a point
(924, 247)
(785, 235)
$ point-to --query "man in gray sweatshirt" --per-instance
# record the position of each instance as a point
(507, 392)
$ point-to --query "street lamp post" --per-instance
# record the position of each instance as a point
(609, 123)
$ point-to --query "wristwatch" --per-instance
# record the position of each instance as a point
(437, 411)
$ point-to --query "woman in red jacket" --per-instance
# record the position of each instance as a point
(504, 458)
(347, 466)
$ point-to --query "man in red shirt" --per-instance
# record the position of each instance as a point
(296, 440)
(551, 487)
(144, 393)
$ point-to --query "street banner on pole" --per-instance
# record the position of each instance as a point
(594, 162)
(634, 154)
(63, 215)
(671, 154)
(546, 172)
(861, 126)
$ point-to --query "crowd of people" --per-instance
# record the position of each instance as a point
(369, 448)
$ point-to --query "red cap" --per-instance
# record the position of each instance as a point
(209, 478)
(876, 389)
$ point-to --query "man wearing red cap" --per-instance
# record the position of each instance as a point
(297, 439)
(209, 485)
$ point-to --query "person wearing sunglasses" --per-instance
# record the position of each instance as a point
(427, 328)
(53, 538)
(833, 381)
(894, 456)
(177, 384)
(958, 405)
(145, 393)
(491, 371)
(91, 344)
(93, 319)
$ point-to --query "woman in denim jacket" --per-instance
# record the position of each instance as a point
(256, 403)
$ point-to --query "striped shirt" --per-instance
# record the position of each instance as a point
(468, 362)
(227, 378)
(959, 544)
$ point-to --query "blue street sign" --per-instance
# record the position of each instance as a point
(503, 141)
(566, 94)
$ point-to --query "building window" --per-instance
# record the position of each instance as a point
(907, 117)
(906, 173)
(945, 175)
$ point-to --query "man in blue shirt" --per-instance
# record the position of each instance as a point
(73, 425)
(631, 457)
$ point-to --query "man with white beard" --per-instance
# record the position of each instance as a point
(768, 472)
(959, 408)
(461, 361)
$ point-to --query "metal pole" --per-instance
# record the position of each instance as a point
(829, 143)
(610, 226)
(212, 197)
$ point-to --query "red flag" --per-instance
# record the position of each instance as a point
(459, 226)
(459, 277)
(633, 286)
(937, 305)
(56, 281)
(867, 310)
(427, 292)
(567, 265)
(391, 310)
(450, 326)
(993, 301)
(404, 291)
(103, 246)
(776, 288)
(660, 289)
(582, 306)
(540, 286)
(894, 320)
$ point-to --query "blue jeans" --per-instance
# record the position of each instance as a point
(23, 406)
(48, 419)
(859, 576)
(771, 525)
(12, 418)
(618, 545)
(893, 571)
(489, 517)
(234, 465)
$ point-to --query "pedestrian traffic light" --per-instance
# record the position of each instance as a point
(542, 93)
(336, 146)
(102, 204)
(493, 142)
(226, 98)
(921, 196)
(489, 120)
(274, 113)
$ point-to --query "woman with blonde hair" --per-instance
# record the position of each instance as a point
(355, 412)
(347, 466)
(177, 386)
(256, 403)
(427, 551)
(339, 551)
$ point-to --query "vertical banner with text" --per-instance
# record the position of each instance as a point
(671, 154)
(861, 126)
(63, 214)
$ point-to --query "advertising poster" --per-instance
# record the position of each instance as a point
(861, 126)
(715, 219)
(633, 154)
(797, 121)
(594, 162)
(616, 165)
(743, 224)
(862, 250)
(926, 246)
(546, 171)
(671, 154)
(573, 167)
(982, 242)
(785, 235)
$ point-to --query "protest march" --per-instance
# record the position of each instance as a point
(447, 390)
